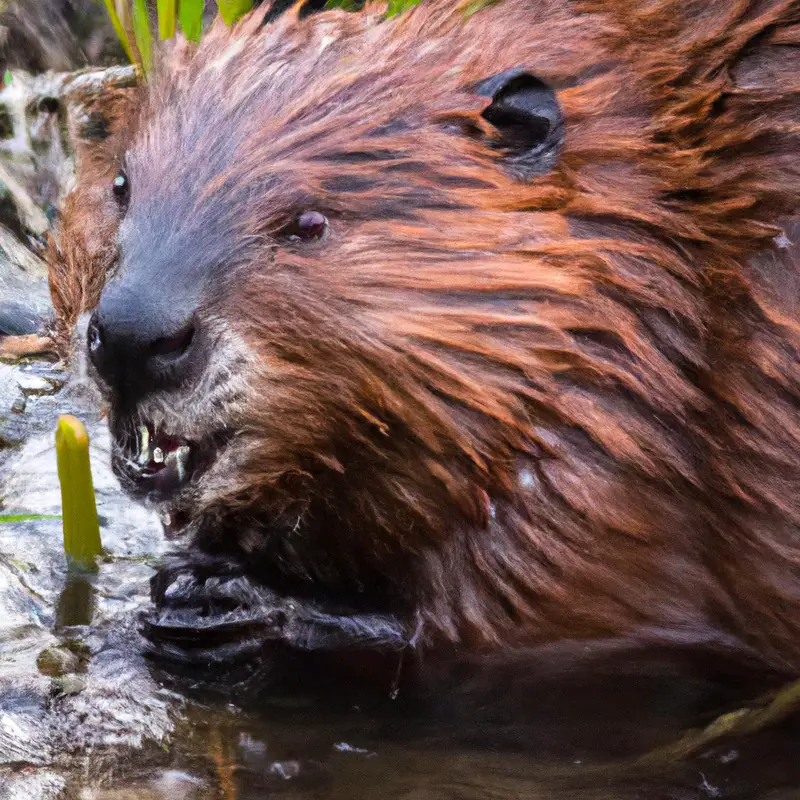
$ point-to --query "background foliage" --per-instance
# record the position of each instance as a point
(136, 26)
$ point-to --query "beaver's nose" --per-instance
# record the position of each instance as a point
(138, 349)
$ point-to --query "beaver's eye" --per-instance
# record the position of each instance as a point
(307, 226)
(122, 189)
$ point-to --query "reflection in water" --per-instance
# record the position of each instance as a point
(316, 757)
(76, 603)
(526, 728)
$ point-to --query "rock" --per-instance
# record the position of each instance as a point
(165, 785)
(27, 736)
(57, 662)
(11, 398)
(25, 306)
(25, 392)
(17, 319)
(19, 258)
(74, 685)
(67, 685)
(33, 383)
(40, 785)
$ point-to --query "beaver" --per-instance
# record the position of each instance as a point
(468, 327)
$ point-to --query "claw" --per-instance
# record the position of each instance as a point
(207, 613)
(231, 654)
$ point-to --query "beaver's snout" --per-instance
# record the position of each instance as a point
(167, 374)
(137, 349)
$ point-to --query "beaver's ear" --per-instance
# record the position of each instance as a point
(527, 117)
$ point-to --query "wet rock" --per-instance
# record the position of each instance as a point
(286, 770)
(33, 383)
(32, 786)
(10, 392)
(67, 685)
(24, 292)
(26, 309)
(27, 736)
(166, 785)
(73, 679)
(18, 382)
(177, 784)
(120, 706)
(26, 402)
(17, 319)
(57, 661)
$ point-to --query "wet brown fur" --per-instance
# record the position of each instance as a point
(82, 251)
(512, 411)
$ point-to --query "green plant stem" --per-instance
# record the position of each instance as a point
(119, 29)
(399, 6)
(143, 34)
(81, 526)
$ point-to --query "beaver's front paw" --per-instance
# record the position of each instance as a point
(206, 611)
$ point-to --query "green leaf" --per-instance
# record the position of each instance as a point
(399, 6)
(476, 6)
(7, 518)
(143, 34)
(347, 5)
(7, 78)
(190, 17)
(394, 7)
(167, 17)
(81, 526)
(119, 28)
(233, 10)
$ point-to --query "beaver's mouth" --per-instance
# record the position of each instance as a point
(158, 465)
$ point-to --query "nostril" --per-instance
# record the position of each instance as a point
(173, 347)
(94, 336)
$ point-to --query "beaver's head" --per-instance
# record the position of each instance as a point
(366, 275)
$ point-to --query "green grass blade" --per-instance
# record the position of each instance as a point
(119, 29)
(233, 10)
(347, 5)
(143, 34)
(81, 526)
(476, 6)
(167, 17)
(190, 17)
(8, 518)
(399, 6)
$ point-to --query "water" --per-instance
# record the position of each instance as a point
(83, 715)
